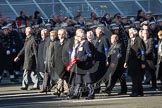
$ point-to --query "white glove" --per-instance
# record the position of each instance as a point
(8, 52)
(13, 50)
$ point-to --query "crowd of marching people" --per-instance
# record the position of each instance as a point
(74, 56)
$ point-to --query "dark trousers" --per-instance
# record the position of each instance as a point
(153, 76)
(46, 81)
(7, 64)
(121, 76)
(160, 73)
(137, 84)
(83, 78)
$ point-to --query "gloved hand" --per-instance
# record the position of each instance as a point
(8, 52)
(13, 50)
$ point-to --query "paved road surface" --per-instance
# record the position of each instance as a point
(12, 97)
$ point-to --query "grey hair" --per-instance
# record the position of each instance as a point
(101, 29)
(44, 31)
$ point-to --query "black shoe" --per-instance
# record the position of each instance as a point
(35, 88)
(153, 87)
(134, 95)
(66, 93)
(146, 83)
(90, 97)
(107, 92)
(141, 94)
(97, 90)
(56, 93)
(122, 93)
(24, 88)
(42, 91)
(159, 89)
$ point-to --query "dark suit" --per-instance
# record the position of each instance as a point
(49, 65)
(149, 43)
(30, 54)
(30, 60)
(159, 63)
(135, 56)
(102, 47)
(41, 56)
(116, 56)
(61, 60)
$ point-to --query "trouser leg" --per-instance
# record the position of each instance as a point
(153, 77)
(76, 94)
(34, 78)
(123, 84)
(46, 82)
(65, 86)
(25, 80)
(91, 93)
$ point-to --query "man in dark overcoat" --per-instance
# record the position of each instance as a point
(42, 53)
(135, 61)
(30, 60)
(60, 61)
(150, 66)
(49, 62)
(102, 47)
(159, 59)
(115, 61)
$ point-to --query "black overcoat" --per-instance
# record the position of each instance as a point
(30, 54)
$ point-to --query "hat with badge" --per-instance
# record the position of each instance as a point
(22, 26)
(124, 17)
(77, 26)
(137, 22)
(9, 24)
(64, 25)
(35, 26)
(115, 28)
(159, 20)
(127, 26)
(93, 26)
(152, 22)
(89, 24)
(4, 27)
(100, 25)
(48, 24)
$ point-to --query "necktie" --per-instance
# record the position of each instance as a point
(132, 42)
